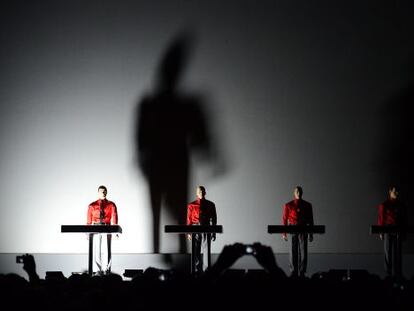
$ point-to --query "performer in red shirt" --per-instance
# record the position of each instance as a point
(201, 212)
(298, 212)
(392, 212)
(102, 212)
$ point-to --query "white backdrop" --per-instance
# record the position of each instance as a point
(296, 93)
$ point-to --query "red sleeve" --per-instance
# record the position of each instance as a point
(89, 216)
(285, 215)
(381, 215)
(189, 212)
(114, 216)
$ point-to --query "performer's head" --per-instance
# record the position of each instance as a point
(298, 192)
(102, 191)
(393, 192)
(201, 192)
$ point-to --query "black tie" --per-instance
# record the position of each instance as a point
(102, 214)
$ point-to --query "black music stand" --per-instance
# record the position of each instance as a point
(377, 229)
(399, 232)
(317, 229)
(193, 230)
(91, 230)
(295, 229)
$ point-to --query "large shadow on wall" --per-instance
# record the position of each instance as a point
(396, 152)
(170, 126)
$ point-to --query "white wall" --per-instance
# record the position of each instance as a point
(298, 93)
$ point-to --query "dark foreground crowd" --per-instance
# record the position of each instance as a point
(218, 288)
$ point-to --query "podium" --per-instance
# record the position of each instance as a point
(398, 233)
(193, 230)
(294, 258)
(91, 230)
(317, 229)
(394, 229)
(377, 229)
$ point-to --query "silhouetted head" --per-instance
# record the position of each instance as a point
(201, 192)
(298, 192)
(174, 61)
(102, 191)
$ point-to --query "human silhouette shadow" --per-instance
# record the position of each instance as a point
(170, 126)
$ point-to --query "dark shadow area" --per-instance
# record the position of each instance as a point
(219, 288)
(171, 126)
(396, 155)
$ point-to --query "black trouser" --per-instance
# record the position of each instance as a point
(196, 255)
(393, 254)
(298, 254)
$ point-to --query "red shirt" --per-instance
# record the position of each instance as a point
(297, 212)
(110, 215)
(390, 212)
(201, 212)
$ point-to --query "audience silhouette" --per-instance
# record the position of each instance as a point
(218, 287)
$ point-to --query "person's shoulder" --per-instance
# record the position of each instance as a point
(307, 203)
(93, 203)
(111, 203)
(385, 204)
(399, 204)
(193, 203)
(209, 202)
(290, 203)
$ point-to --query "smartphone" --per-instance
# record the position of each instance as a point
(249, 250)
(19, 259)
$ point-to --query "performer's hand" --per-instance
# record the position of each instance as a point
(284, 236)
(381, 236)
(213, 237)
(117, 236)
(189, 237)
(310, 237)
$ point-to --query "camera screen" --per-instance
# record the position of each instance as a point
(19, 259)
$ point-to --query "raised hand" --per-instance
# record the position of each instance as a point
(229, 256)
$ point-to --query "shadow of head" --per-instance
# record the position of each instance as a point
(175, 60)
